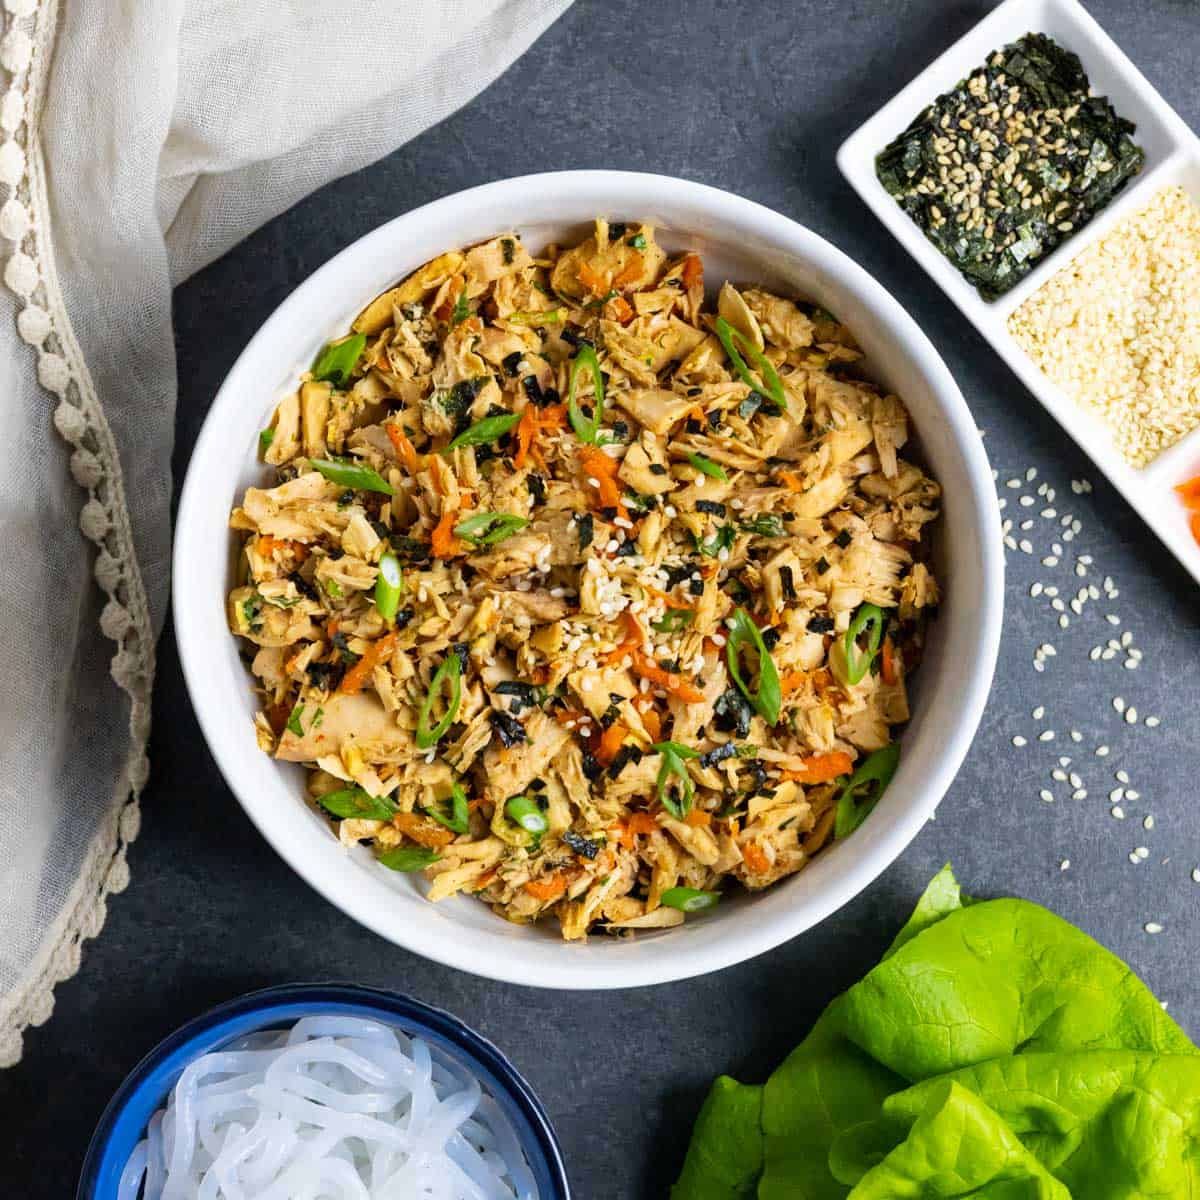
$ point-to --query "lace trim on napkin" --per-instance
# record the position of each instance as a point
(29, 272)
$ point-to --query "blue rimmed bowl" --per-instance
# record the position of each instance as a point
(146, 1088)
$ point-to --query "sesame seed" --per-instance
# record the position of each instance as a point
(1079, 794)
(1119, 704)
(1118, 812)
(1152, 722)
(1122, 776)
(1148, 823)
(1102, 751)
(1047, 795)
(1018, 740)
(1131, 795)
(1036, 590)
(1196, 875)
(1152, 927)
(1131, 716)
(1047, 735)
(1076, 736)
(1064, 865)
(1039, 712)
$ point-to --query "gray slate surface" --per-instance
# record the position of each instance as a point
(754, 98)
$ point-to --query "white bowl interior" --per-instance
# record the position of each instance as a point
(738, 240)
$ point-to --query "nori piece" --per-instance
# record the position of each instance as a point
(1049, 76)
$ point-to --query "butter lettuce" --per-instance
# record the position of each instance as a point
(966, 989)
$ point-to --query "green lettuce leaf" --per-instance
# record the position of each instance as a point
(958, 1147)
(942, 897)
(725, 1157)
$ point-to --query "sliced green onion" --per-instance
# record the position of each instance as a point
(688, 899)
(707, 466)
(863, 790)
(673, 771)
(673, 620)
(293, 721)
(355, 802)
(389, 586)
(490, 429)
(459, 812)
(768, 384)
(868, 619)
(524, 812)
(638, 241)
(549, 317)
(743, 635)
(486, 529)
(352, 475)
(338, 359)
(451, 669)
(461, 310)
(587, 429)
(408, 858)
(764, 525)
(265, 438)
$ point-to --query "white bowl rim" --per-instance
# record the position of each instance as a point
(514, 962)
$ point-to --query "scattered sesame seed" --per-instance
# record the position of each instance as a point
(1059, 776)
(1079, 794)
(1116, 795)
(1025, 546)
(1148, 823)
(1076, 736)
(1047, 795)
(1047, 735)
(1102, 751)
(1152, 927)
(1036, 590)
(1122, 776)
(1039, 712)
(1131, 716)
(1152, 722)
(1018, 740)
(1119, 703)
(1064, 865)
(1118, 812)
(1196, 875)
(1131, 795)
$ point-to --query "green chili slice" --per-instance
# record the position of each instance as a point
(352, 475)
(389, 586)
(673, 771)
(768, 384)
(743, 634)
(490, 429)
(524, 812)
(459, 812)
(338, 359)
(868, 620)
(451, 669)
(863, 790)
(707, 466)
(354, 802)
(486, 529)
(587, 429)
(408, 858)
(688, 899)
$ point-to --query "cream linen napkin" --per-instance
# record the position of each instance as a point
(139, 140)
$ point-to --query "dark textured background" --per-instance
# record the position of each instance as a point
(755, 98)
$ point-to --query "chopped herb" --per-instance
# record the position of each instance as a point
(333, 589)
(674, 784)
(535, 319)
(673, 620)
(490, 429)
(744, 634)
(293, 721)
(461, 310)
(460, 813)
(338, 359)
(722, 539)
(355, 802)
(707, 466)
(352, 475)
(265, 438)
(765, 525)
(488, 528)
(408, 858)
(638, 241)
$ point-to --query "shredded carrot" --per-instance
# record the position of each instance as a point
(622, 835)
(632, 643)
(791, 482)
(1189, 492)
(619, 309)
(331, 627)
(443, 543)
(641, 823)
(651, 722)
(267, 545)
(443, 310)
(486, 878)
(821, 768)
(610, 743)
(549, 887)
(792, 681)
(698, 818)
(756, 858)
(887, 662)
(693, 271)
(527, 430)
(630, 273)
(422, 830)
(696, 413)
(603, 469)
(595, 283)
(405, 451)
(679, 687)
(568, 716)
(553, 416)
(373, 655)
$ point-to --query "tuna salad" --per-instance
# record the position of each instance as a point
(582, 589)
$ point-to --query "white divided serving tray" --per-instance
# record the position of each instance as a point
(1172, 157)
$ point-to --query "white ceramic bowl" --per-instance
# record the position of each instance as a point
(739, 240)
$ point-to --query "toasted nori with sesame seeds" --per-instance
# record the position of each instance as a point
(1004, 167)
